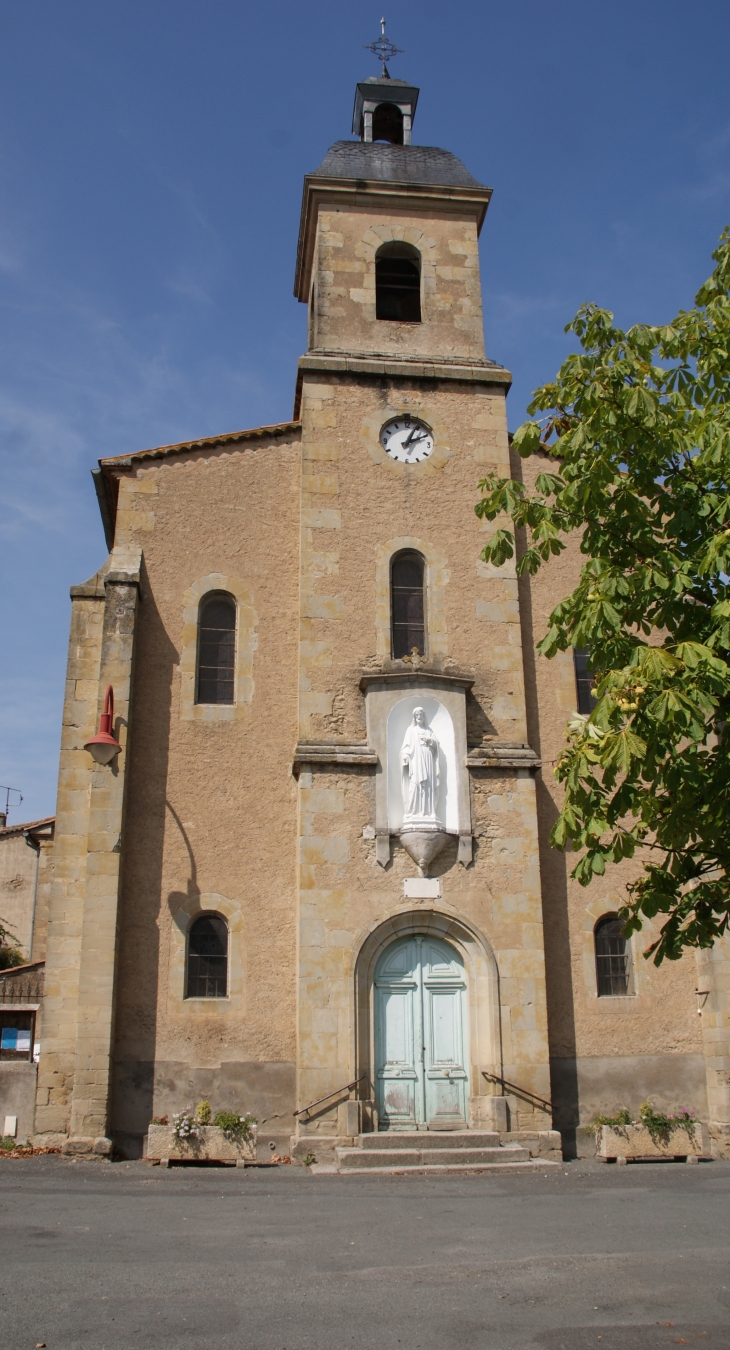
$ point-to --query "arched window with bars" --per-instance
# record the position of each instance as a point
(207, 958)
(216, 674)
(613, 958)
(408, 604)
(398, 283)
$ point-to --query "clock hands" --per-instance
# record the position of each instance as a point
(415, 435)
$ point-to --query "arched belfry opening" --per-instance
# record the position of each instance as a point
(398, 283)
(388, 124)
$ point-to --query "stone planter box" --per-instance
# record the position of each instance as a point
(211, 1145)
(623, 1142)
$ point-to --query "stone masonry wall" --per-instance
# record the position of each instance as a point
(211, 812)
(358, 508)
(343, 317)
(66, 907)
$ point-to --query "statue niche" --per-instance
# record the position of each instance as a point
(422, 833)
(421, 774)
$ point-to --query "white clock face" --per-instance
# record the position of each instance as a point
(407, 439)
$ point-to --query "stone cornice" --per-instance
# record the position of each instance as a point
(502, 755)
(421, 675)
(411, 368)
(333, 752)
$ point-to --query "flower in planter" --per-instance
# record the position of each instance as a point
(185, 1125)
(657, 1123)
(203, 1112)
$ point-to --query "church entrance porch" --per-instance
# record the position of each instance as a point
(420, 1006)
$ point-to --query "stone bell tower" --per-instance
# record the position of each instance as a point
(402, 413)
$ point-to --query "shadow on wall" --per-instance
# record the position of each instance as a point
(556, 929)
(137, 978)
(478, 725)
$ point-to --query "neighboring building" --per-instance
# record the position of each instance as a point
(26, 854)
(25, 871)
(318, 870)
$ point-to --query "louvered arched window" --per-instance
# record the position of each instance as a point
(398, 283)
(613, 958)
(216, 649)
(407, 604)
(207, 963)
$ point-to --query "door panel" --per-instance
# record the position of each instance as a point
(420, 1003)
(397, 1016)
(446, 1076)
(444, 1023)
(397, 1035)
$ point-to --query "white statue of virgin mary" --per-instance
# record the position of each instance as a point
(420, 765)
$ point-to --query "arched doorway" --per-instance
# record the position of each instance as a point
(420, 1026)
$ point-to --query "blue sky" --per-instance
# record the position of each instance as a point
(151, 162)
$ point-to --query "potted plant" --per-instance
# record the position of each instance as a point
(653, 1135)
(199, 1136)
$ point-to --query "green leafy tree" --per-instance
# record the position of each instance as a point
(10, 956)
(637, 425)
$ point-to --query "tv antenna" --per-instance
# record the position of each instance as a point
(384, 49)
(4, 811)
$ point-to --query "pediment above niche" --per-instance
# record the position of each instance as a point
(416, 723)
(417, 675)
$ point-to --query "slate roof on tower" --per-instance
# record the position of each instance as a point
(395, 164)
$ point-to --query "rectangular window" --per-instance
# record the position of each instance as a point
(16, 1035)
(583, 680)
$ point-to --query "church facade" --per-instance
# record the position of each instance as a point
(315, 882)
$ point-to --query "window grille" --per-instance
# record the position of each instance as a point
(208, 958)
(398, 284)
(613, 959)
(407, 606)
(217, 649)
(583, 680)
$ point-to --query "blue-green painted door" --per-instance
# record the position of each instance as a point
(420, 1036)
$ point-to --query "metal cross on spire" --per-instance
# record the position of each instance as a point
(384, 49)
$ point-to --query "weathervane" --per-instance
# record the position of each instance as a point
(383, 49)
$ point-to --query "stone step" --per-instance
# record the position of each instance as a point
(358, 1159)
(441, 1139)
(447, 1169)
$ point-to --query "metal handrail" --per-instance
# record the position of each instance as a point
(524, 1093)
(304, 1109)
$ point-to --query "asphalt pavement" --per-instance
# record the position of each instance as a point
(110, 1256)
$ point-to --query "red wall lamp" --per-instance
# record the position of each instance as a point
(103, 746)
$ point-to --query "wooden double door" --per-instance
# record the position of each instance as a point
(422, 1081)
